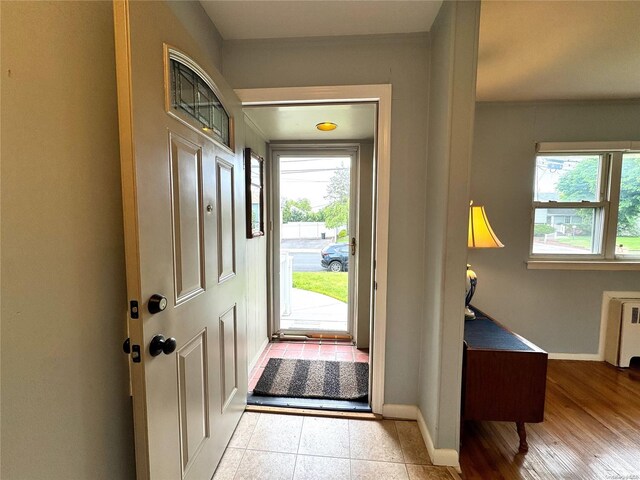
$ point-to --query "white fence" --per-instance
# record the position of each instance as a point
(293, 230)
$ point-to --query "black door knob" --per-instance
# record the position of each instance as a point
(126, 346)
(157, 303)
(161, 345)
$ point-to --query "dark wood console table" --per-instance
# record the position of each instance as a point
(504, 376)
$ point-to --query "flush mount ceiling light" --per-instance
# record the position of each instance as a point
(326, 126)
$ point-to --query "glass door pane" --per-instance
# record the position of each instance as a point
(314, 243)
(628, 234)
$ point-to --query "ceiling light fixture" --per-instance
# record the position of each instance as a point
(326, 126)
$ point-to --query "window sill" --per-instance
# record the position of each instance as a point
(583, 265)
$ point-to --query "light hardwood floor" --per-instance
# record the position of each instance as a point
(591, 430)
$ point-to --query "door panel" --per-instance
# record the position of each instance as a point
(180, 195)
(226, 214)
(194, 398)
(186, 188)
(228, 353)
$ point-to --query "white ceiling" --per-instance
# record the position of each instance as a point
(528, 50)
(559, 50)
(246, 19)
(355, 121)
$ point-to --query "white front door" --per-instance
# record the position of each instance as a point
(183, 198)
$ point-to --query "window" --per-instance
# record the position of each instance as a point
(192, 95)
(586, 205)
(192, 98)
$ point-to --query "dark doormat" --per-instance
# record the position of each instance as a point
(283, 377)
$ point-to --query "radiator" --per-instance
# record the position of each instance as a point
(623, 332)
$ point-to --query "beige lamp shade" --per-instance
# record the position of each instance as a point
(481, 235)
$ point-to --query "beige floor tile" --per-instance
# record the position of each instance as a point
(374, 440)
(327, 437)
(366, 470)
(276, 433)
(244, 430)
(428, 472)
(257, 465)
(229, 464)
(321, 468)
(413, 447)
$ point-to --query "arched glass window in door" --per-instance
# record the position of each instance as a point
(193, 99)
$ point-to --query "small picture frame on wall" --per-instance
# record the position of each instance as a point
(254, 183)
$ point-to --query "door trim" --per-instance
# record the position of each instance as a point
(381, 95)
(122, 40)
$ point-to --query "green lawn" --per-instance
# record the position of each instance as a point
(332, 284)
(630, 243)
(582, 242)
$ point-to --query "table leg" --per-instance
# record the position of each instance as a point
(522, 433)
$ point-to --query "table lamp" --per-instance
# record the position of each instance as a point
(481, 235)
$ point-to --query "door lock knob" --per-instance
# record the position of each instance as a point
(157, 303)
(161, 345)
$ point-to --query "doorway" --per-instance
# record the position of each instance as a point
(320, 233)
(315, 213)
(380, 97)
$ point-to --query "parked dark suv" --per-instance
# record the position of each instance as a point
(335, 257)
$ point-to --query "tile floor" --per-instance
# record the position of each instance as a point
(294, 447)
(311, 350)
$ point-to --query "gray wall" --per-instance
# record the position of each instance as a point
(454, 38)
(65, 401)
(557, 310)
(197, 23)
(256, 258)
(403, 62)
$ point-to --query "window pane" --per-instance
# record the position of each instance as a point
(204, 105)
(628, 235)
(567, 178)
(566, 231)
(186, 92)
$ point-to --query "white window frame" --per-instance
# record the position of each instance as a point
(605, 208)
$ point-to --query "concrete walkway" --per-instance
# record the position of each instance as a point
(314, 311)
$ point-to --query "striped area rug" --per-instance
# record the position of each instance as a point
(284, 377)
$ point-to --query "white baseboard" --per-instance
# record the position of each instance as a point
(399, 411)
(256, 357)
(439, 456)
(590, 357)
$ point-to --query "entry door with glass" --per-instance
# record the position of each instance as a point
(182, 188)
(314, 205)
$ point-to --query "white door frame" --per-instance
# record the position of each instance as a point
(381, 95)
(341, 149)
